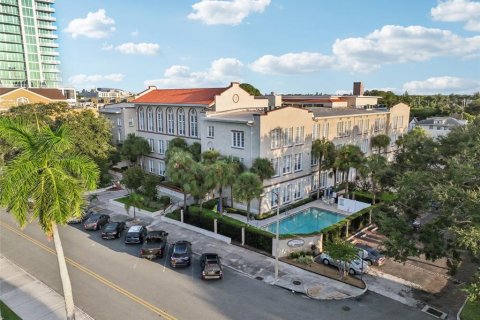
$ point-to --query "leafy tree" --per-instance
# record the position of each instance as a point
(250, 89)
(381, 141)
(149, 186)
(238, 168)
(133, 178)
(196, 151)
(342, 251)
(204, 181)
(322, 149)
(473, 288)
(248, 187)
(46, 180)
(134, 200)
(180, 170)
(134, 147)
(376, 164)
(179, 143)
(210, 156)
(348, 157)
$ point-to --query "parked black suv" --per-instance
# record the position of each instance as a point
(211, 266)
(113, 230)
(182, 254)
(136, 234)
(96, 221)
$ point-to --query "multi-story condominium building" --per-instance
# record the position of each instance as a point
(237, 124)
(123, 119)
(28, 54)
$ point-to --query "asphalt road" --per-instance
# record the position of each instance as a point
(110, 282)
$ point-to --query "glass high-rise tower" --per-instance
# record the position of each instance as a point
(28, 51)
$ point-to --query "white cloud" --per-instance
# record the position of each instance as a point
(221, 71)
(94, 80)
(212, 12)
(292, 63)
(397, 44)
(444, 85)
(107, 46)
(94, 25)
(135, 33)
(138, 48)
(458, 11)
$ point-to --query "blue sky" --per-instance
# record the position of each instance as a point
(284, 46)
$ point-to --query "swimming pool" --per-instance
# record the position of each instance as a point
(306, 221)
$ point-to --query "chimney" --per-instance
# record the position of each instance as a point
(358, 89)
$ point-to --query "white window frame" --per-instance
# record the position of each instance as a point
(288, 137)
(151, 143)
(160, 127)
(181, 121)
(161, 146)
(238, 139)
(298, 159)
(141, 118)
(299, 135)
(275, 197)
(287, 193)
(297, 190)
(151, 166)
(161, 168)
(211, 132)
(276, 166)
(193, 123)
(119, 122)
(150, 120)
(276, 138)
(170, 121)
(287, 164)
(130, 122)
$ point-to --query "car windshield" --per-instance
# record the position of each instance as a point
(93, 219)
(179, 249)
(110, 227)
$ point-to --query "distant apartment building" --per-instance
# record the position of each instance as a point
(437, 127)
(28, 51)
(237, 124)
(123, 119)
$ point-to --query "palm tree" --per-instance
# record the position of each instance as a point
(47, 181)
(321, 149)
(348, 157)
(263, 168)
(134, 200)
(248, 187)
(375, 164)
(179, 170)
(225, 175)
(380, 142)
(238, 168)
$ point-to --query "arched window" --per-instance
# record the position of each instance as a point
(170, 121)
(22, 100)
(141, 118)
(181, 122)
(159, 120)
(150, 123)
(193, 123)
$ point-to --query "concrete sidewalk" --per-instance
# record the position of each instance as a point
(30, 298)
(247, 262)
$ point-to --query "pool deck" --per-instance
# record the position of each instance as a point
(317, 204)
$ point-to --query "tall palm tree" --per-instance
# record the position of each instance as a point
(348, 157)
(380, 142)
(134, 200)
(225, 175)
(263, 168)
(47, 181)
(322, 149)
(375, 164)
(248, 187)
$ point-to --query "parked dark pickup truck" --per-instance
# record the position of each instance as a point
(154, 245)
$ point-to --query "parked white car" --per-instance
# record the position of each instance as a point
(357, 266)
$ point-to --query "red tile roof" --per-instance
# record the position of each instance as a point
(307, 100)
(180, 96)
(6, 90)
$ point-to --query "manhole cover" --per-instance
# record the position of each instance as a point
(345, 308)
(259, 278)
(296, 282)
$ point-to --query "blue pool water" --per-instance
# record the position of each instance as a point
(306, 221)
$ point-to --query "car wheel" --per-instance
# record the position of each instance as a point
(326, 262)
(351, 272)
(369, 262)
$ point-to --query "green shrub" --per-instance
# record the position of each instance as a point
(294, 255)
(165, 200)
(307, 259)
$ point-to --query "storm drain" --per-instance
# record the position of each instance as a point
(259, 278)
(345, 308)
(434, 312)
(296, 282)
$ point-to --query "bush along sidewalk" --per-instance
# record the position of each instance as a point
(229, 227)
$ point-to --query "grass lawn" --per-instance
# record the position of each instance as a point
(142, 207)
(6, 313)
(471, 311)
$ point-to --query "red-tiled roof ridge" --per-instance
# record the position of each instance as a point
(50, 93)
(6, 90)
(203, 96)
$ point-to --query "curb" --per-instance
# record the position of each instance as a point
(461, 309)
(349, 297)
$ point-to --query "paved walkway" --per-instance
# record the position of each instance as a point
(30, 298)
(247, 262)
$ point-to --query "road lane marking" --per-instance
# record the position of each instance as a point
(91, 273)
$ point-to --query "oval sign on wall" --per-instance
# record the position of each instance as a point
(294, 243)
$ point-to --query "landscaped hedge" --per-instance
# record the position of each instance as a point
(356, 222)
(368, 197)
(203, 218)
